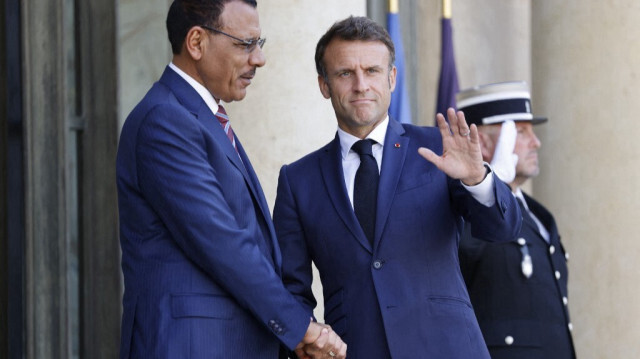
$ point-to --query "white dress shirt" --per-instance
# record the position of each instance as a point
(201, 90)
(482, 192)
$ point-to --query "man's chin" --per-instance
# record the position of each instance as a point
(237, 96)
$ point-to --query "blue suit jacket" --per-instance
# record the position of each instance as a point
(200, 259)
(404, 297)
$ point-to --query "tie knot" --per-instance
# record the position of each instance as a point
(363, 147)
(221, 115)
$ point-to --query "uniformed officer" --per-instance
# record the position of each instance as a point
(518, 289)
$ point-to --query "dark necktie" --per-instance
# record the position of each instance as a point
(222, 117)
(530, 217)
(365, 189)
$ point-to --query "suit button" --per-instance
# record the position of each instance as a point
(508, 340)
(570, 327)
(377, 264)
(565, 301)
(566, 256)
(557, 275)
(522, 241)
(552, 249)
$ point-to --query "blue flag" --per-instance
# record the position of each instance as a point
(399, 110)
(448, 84)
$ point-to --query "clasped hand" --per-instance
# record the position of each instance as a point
(461, 155)
(320, 341)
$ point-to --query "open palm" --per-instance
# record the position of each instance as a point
(461, 155)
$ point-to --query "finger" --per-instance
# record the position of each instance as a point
(463, 127)
(445, 131)
(341, 349)
(343, 352)
(430, 156)
(321, 342)
(333, 342)
(453, 121)
(474, 136)
(301, 354)
(313, 332)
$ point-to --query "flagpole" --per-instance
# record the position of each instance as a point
(393, 6)
(446, 9)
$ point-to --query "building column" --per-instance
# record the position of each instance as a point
(585, 79)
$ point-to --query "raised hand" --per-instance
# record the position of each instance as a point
(321, 342)
(461, 155)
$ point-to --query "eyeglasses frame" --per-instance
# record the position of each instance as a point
(250, 44)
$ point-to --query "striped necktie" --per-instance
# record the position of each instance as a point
(222, 117)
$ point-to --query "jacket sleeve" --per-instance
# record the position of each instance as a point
(297, 272)
(498, 223)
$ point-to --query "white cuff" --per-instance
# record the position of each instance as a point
(483, 191)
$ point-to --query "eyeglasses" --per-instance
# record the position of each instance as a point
(249, 45)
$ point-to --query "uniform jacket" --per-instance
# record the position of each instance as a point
(200, 259)
(519, 317)
(403, 297)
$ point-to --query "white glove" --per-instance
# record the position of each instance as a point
(504, 160)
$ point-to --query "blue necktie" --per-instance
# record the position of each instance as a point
(365, 189)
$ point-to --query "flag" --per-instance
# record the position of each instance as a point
(448, 84)
(399, 109)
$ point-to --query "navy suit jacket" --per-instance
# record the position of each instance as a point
(533, 312)
(403, 297)
(200, 259)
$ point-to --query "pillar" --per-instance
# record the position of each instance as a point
(585, 71)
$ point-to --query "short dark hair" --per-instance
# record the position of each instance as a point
(185, 14)
(351, 29)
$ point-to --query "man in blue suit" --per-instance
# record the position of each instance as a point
(201, 263)
(387, 257)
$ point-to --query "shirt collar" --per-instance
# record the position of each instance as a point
(201, 90)
(347, 140)
(518, 194)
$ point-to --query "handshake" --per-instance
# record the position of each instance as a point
(320, 341)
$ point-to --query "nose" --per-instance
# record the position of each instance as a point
(535, 142)
(360, 82)
(257, 58)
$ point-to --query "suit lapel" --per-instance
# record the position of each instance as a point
(395, 152)
(332, 173)
(192, 101)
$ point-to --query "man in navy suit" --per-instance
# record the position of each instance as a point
(389, 267)
(201, 263)
(518, 288)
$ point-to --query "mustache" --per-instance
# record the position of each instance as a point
(251, 73)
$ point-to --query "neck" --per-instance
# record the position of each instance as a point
(359, 131)
(187, 66)
(517, 182)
